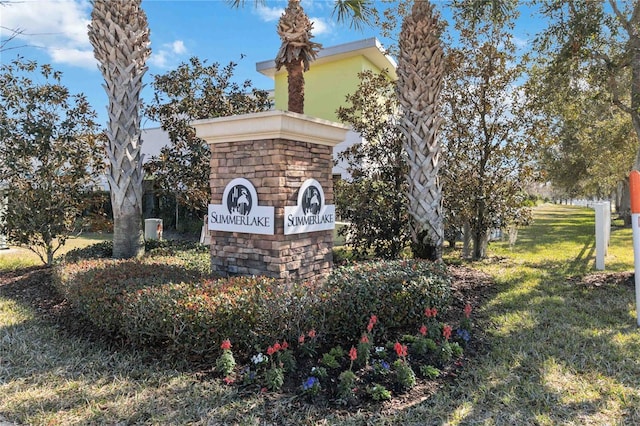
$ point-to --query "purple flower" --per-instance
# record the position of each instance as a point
(463, 334)
(309, 383)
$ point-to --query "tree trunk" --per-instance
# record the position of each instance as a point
(295, 79)
(420, 79)
(127, 232)
(119, 34)
(480, 243)
(625, 204)
(618, 197)
(466, 240)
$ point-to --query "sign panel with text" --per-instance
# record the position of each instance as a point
(240, 212)
(311, 214)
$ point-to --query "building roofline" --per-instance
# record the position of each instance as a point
(370, 48)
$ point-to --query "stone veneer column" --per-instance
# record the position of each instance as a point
(277, 151)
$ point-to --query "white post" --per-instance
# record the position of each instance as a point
(635, 226)
(602, 232)
(634, 188)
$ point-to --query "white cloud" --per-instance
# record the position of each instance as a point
(59, 27)
(320, 26)
(269, 14)
(75, 57)
(178, 47)
(165, 56)
(521, 43)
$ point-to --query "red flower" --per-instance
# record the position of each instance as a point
(301, 339)
(364, 339)
(277, 347)
(467, 310)
(270, 350)
(431, 312)
(353, 354)
(401, 350)
(226, 344)
(446, 332)
(423, 330)
(285, 345)
(311, 333)
(372, 321)
(228, 380)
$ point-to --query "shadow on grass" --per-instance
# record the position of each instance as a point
(563, 340)
(561, 352)
(54, 368)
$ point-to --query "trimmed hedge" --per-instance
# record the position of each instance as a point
(170, 302)
(396, 291)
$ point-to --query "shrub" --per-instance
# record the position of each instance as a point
(102, 289)
(101, 250)
(395, 291)
(167, 299)
(170, 302)
(104, 250)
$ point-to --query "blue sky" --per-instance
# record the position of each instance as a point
(55, 32)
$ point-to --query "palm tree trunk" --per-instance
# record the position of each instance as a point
(295, 80)
(420, 77)
(120, 37)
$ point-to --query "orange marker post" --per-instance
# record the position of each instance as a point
(634, 187)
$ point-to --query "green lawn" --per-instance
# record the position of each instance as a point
(21, 257)
(556, 349)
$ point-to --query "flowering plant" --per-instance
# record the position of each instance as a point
(311, 386)
(225, 362)
(446, 332)
(307, 343)
(401, 350)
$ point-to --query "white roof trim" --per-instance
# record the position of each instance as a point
(370, 48)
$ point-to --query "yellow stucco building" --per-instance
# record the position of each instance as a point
(332, 76)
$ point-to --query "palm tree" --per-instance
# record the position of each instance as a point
(420, 78)
(119, 34)
(297, 49)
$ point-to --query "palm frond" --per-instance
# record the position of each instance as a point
(358, 12)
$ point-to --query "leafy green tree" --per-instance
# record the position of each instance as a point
(488, 150)
(585, 141)
(194, 90)
(596, 42)
(374, 200)
(51, 156)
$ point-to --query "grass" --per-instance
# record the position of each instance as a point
(557, 350)
(20, 257)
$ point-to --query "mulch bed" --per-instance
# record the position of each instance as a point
(32, 287)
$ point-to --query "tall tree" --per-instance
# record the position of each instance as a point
(50, 157)
(373, 201)
(596, 41)
(488, 150)
(297, 50)
(585, 141)
(193, 91)
(420, 77)
(120, 37)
